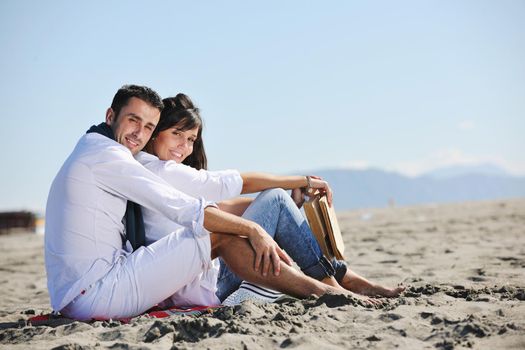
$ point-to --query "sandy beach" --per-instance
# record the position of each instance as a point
(463, 265)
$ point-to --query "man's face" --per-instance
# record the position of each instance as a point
(134, 124)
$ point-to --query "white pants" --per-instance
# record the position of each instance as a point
(172, 268)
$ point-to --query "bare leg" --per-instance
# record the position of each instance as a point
(351, 281)
(358, 284)
(236, 252)
(239, 256)
(331, 281)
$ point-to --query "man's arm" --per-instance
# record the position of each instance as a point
(119, 173)
(267, 252)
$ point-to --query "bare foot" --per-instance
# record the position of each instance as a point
(331, 281)
(377, 290)
(358, 284)
(335, 288)
(367, 301)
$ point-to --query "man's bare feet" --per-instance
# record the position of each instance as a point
(331, 281)
(336, 288)
(358, 284)
(377, 290)
(367, 301)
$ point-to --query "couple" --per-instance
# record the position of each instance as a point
(191, 216)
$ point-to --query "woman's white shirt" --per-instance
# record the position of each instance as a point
(211, 185)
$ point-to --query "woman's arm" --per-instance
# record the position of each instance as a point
(256, 182)
(213, 185)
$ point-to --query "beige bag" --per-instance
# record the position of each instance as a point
(325, 227)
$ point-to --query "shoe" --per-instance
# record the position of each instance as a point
(250, 291)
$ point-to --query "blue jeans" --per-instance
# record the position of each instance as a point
(275, 211)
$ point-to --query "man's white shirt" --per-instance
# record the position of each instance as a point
(86, 205)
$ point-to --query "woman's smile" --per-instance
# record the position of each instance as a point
(177, 156)
(175, 144)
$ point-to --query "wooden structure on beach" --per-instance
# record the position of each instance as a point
(24, 220)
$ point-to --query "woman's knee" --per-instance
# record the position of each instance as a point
(281, 196)
(275, 193)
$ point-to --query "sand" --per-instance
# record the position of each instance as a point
(463, 265)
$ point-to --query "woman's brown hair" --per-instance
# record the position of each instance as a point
(181, 112)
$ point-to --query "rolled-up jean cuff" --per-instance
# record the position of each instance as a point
(320, 270)
(340, 269)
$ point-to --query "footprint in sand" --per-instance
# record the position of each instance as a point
(477, 279)
(390, 317)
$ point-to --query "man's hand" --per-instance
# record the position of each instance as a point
(267, 252)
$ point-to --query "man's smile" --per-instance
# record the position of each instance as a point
(132, 142)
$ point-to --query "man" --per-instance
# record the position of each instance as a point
(91, 274)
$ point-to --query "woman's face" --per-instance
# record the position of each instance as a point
(175, 144)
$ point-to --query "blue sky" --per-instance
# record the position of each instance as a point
(283, 86)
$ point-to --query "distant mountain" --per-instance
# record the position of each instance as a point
(460, 170)
(377, 188)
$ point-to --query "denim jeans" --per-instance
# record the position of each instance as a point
(277, 213)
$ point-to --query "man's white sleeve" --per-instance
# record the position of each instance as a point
(123, 176)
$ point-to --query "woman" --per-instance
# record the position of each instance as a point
(177, 155)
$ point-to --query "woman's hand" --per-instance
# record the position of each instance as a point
(267, 252)
(318, 184)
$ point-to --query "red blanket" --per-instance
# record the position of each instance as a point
(155, 312)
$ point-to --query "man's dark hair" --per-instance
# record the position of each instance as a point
(144, 93)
